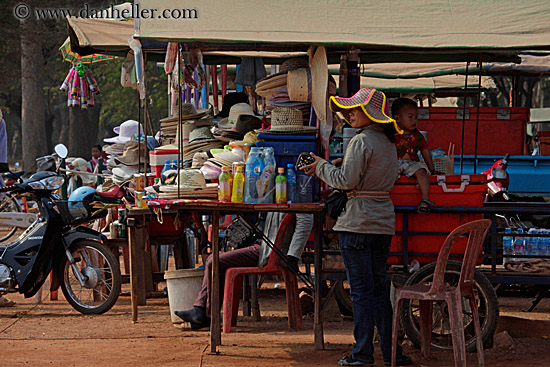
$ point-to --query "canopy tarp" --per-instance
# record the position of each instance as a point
(438, 26)
(429, 85)
(530, 64)
(89, 36)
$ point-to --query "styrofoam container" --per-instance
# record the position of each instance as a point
(183, 287)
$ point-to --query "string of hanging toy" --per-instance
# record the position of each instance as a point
(80, 86)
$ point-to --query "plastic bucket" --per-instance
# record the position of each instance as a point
(348, 133)
(183, 287)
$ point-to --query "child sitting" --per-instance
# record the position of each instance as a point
(405, 112)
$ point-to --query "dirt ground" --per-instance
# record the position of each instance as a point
(53, 334)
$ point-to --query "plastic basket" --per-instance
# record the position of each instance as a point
(444, 164)
(77, 214)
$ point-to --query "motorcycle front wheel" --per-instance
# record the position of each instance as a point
(101, 277)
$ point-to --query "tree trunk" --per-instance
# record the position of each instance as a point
(83, 128)
(33, 115)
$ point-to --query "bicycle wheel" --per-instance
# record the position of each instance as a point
(102, 279)
(8, 204)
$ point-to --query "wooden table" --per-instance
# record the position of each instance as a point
(138, 232)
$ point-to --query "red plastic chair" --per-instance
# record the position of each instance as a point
(439, 291)
(234, 279)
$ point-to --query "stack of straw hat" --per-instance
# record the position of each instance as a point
(190, 184)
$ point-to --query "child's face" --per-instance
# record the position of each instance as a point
(407, 118)
(96, 153)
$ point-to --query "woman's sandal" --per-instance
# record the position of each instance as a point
(424, 206)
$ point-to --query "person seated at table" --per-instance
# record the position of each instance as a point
(255, 255)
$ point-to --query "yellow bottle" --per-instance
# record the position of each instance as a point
(238, 186)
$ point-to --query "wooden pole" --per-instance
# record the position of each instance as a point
(215, 325)
(224, 82)
(215, 88)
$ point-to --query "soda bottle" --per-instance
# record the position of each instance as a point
(507, 245)
(519, 245)
(224, 186)
(280, 187)
(238, 186)
(290, 183)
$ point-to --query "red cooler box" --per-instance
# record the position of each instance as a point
(157, 159)
(450, 190)
(500, 131)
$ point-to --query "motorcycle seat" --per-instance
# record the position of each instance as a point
(115, 193)
(14, 175)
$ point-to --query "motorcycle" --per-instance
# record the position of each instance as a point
(87, 272)
(498, 180)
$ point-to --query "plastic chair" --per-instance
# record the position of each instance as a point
(234, 279)
(439, 291)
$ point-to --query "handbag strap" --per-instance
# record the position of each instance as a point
(368, 194)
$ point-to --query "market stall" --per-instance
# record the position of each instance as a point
(495, 35)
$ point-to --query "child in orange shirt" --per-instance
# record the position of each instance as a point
(405, 112)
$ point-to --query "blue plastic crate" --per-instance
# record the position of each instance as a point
(287, 149)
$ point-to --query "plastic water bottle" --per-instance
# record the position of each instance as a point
(537, 244)
(266, 183)
(544, 242)
(304, 188)
(531, 243)
(253, 170)
(519, 245)
(507, 245)
(174, 164)
(290, 183)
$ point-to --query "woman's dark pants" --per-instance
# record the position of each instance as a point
(365, 257)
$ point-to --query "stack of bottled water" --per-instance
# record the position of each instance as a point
(544, 243)
(508, 245)
(519, 245)
(534, 245)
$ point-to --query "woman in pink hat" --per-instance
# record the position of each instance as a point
(366, 226)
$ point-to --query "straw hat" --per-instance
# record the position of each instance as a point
(200, 134)
(319, 81)
(299, 85)
(130, 157)
(188, 112)
(271, 84)
(234, 113)
(277, 82)
(124, 173)
(372, 102)
(125, 132)
(287, 121)
(115, 149)
(188, 126)
(191, 184)
(199, 159)
(191, 179)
